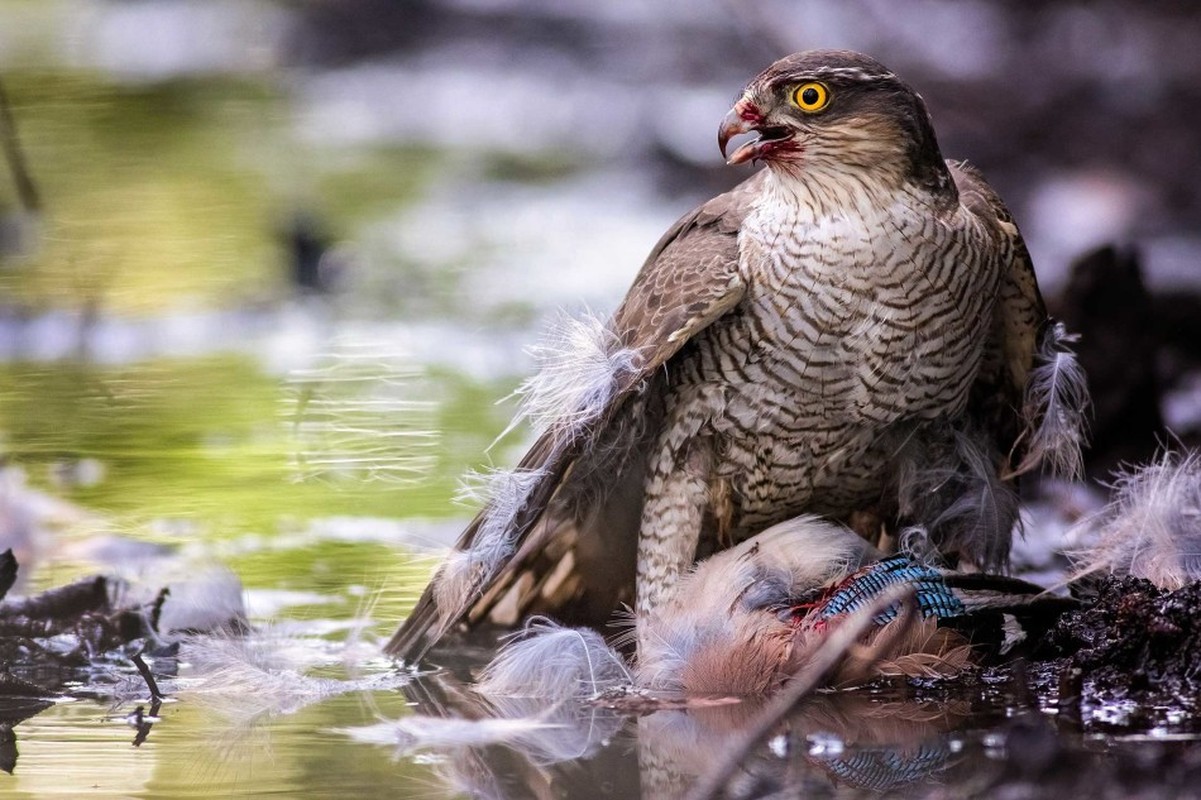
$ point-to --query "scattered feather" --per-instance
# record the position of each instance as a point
(532, 698)
(260, 675)
(582, 365)
(1054, 407)
(1014, 633)
(554, 663)
(1151, 528)
(502, 490)
(981, 520)
(914, 541)
(419, 732)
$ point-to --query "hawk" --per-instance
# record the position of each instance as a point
(855, 332)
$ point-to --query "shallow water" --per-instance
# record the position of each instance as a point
(276, 284)
(83, 749)
(851, 744)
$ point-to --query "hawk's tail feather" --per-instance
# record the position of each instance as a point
(418, 633)
(571, 403)
(493, 538)
(485, 551)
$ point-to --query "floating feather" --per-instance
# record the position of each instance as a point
(552, 662)
(547, 672)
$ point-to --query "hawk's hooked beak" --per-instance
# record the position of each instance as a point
(746, 117)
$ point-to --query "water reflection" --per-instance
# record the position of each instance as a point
(850, 739)
(875, 741)
(307, 706)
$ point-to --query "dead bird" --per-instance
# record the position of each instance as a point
(748, 618)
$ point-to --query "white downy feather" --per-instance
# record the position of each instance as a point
(581, 366)
(504, 493)
(1151, 528)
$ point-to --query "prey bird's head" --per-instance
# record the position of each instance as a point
(826, 111)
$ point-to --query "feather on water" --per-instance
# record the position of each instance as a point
(547, 660)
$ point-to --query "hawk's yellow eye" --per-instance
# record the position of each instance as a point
(811, 96)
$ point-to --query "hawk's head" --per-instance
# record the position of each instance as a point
(834, 111)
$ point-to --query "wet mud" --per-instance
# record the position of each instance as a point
(1135, 646)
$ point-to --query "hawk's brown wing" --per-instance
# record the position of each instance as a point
(690, 279)
(1018, 322)
(1039, 390)
(953, 476)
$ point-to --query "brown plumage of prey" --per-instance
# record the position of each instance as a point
(855, 331)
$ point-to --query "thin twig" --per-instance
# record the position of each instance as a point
(800, 686)
(144, 721)
(155, 694)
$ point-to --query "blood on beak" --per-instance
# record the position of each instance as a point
(744, 117)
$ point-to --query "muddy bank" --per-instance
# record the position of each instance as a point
(1133, 647)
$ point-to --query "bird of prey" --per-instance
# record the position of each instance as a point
(855, 332)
